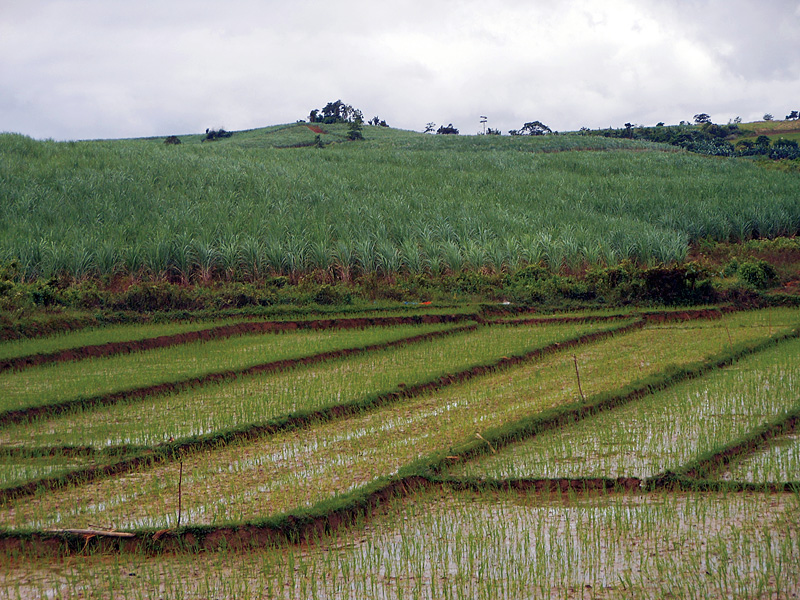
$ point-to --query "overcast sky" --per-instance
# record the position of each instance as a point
(80, 69)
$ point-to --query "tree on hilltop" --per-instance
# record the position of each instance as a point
(449, 130)
(535, 128)
(532, 128)
(335, 112)
(702, 118)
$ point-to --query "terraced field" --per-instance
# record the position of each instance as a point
(609, 455)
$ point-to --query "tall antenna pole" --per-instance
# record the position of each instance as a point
(483, 120)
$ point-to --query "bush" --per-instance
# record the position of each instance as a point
(44, 293)
(216, 134)
(677, 284)
(328, 295)
(758, 274)
(147, 297)
(447, 130)
(620, 283)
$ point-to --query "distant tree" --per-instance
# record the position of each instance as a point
(377, 121)
(701, 118)
(216, 134)
(763, 141)
(449, 130)
(737, 121)
(354, 130)
(660, 124)
(332, 112)
(313, 116)
(513, 132)
(768, 117)
(430, 128)
(535, 128)
(491, 131)
(629, 130)
(172, 140)
(793, 115)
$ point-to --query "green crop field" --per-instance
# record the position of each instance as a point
(608, 454)
(256, 205)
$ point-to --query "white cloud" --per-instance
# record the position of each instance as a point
(109, 68)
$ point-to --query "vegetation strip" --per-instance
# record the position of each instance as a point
(219, 332)
(26, 414)
(291, 421)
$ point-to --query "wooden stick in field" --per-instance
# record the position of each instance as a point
(578, 375)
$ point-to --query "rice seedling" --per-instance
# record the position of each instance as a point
(660, 432)
(778, 462)
(463, 545)
(16, 470)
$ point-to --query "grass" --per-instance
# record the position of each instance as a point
(62, 382)
(249, 480)
(398, 202)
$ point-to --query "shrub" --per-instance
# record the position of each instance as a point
(155, 296)
(758, 274)
(675, 284)
(216, 134)
(44, 293)
(328, 295)
(447, 130)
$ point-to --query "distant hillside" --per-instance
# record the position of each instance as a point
(288, 200)
(775, 130)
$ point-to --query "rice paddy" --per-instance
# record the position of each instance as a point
(523, 460)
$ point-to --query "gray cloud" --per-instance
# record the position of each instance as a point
(109, 68)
